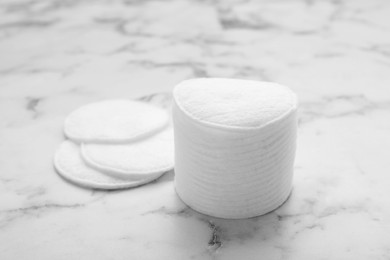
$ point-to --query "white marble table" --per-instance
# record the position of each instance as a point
(56, 55)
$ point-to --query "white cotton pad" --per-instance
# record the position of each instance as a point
(143, 158)
(234, 103)
(234, 145)
(70, 166)
(114, 121)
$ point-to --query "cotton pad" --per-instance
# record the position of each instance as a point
(146, 157)
(114, 121)
(234, 145)
(234, 103)
(70, 166)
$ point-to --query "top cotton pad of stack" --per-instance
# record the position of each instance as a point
(114, 121)
(234, 145)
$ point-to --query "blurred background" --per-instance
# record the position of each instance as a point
(106, 48)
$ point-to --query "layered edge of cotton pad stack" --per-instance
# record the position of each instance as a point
(114, 121)
(125, 148)
(234, 145)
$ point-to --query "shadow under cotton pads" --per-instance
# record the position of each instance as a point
(234, 145)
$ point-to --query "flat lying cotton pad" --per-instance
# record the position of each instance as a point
(143, 158)
(114, 121)
(234, 145)
(70, 165)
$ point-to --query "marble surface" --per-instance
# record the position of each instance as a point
(57, 55)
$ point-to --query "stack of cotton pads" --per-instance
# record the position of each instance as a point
(234, 145)
(115, 144)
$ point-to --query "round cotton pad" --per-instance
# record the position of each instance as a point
(114, 121)
(70, 165)
(234, 103)
(143, 158)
